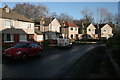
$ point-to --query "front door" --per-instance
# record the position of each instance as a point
(76, 36)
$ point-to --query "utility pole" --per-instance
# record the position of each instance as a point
(99, 31)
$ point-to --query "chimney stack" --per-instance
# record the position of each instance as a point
(7, 9)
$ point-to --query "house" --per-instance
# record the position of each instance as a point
(91, 31)
(38, 36)
(15, 28)
(50, 27)
(106, 31)
(94, 31)
(69, 30)
(87, 31)
(103, 31)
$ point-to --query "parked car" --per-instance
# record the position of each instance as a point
(63, 42)
(22, 50)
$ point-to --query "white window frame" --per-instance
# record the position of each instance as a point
(89, 30)
(11, 38)
(21, 37)
(29, 26)
(76, 29)
(105, 30)
(8, 23)
(72, 28)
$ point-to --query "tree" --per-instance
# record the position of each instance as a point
(88, 15)
(53, 15)
(109, 18)
(31, 11)
(103, 15)
(65, 17)
(116, 19)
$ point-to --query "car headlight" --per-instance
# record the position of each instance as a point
(18, 52)
(71, 43)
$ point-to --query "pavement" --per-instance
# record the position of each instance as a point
(94, 65)
(113, 62)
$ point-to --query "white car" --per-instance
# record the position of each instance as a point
(63, 42)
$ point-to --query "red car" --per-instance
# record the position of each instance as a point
(23, 50)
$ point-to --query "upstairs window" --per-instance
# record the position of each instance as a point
(104, 30)
(71, 29)
(89, 29)
(29, 26)
(8, 23)
(75, 29)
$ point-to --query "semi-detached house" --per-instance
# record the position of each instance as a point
(15, 27)
(69, 30)
(51, 28)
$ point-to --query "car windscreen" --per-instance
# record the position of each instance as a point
(20, 45)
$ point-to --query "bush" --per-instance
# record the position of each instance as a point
(114, 42)
(46, 43)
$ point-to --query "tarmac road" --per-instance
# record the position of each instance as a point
(60, 63)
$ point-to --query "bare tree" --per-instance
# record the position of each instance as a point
(65, 17)
(42, 10)
(88, 15)
(116, 19)
(31, 11)
(53, 15)
(103, 15)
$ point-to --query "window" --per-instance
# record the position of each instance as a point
(75, 29)
(71, 29)
(104, 30)
(20, 45)
(8, 23)
(71, 35)
(8, 37)
(33, 45)
(89, 29)
(23, 37)
(29, 25)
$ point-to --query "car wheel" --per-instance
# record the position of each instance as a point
(39, 53)
(24, 57)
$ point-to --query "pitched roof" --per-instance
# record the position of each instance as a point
(13, 31)
(47, 21)
(68, 24)
(12, 15)
(100, 26)
(85, 25)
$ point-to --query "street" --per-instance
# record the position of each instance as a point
(78, 61)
